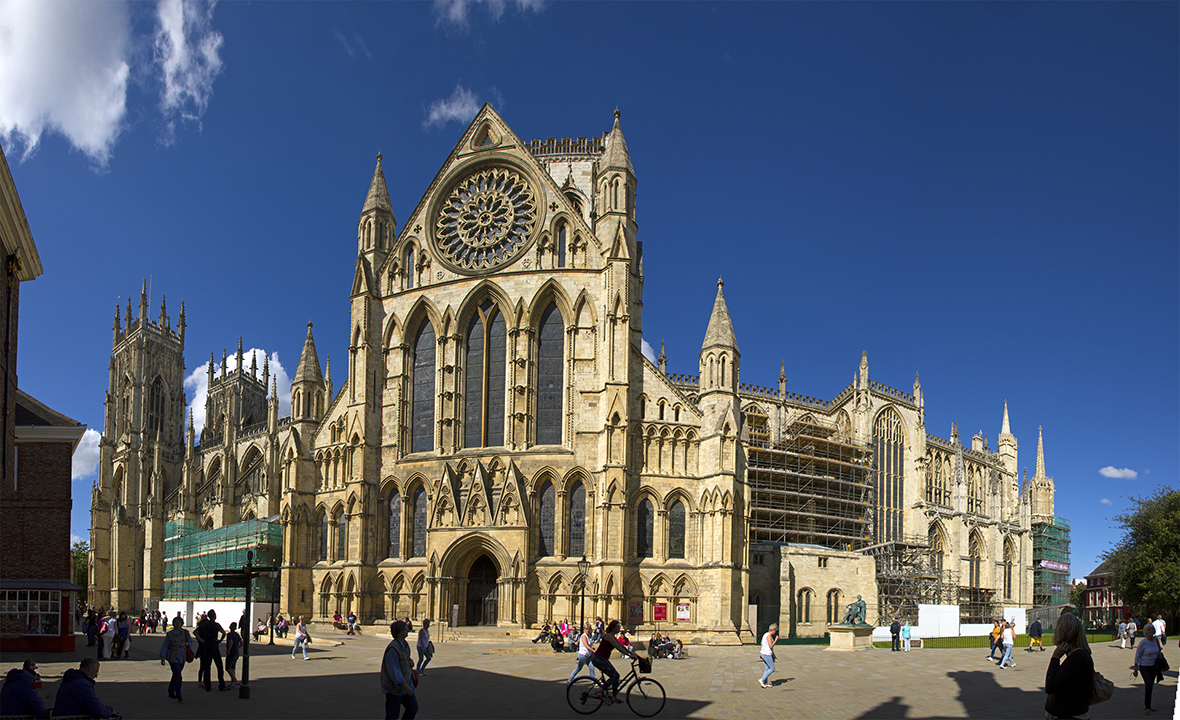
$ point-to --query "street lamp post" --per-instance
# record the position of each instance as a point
(583, 568)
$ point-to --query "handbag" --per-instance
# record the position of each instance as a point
(1161, 664)
(1103, 689)
(189, 655)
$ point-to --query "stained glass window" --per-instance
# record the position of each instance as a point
(545, 546)
(676, 530)
(395, 525)
(422, 437)
(550, 353)
(577, 521)
(323, 536)
(888, 456)
(483, 417)
(342, 537)
(419, 523)
(645, 537)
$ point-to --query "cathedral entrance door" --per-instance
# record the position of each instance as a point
(482, 592)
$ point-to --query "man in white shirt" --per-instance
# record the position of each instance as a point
(1160, 627)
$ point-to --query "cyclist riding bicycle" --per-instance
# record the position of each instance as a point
(601, 658)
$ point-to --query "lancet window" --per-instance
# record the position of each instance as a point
(936, 489)
(419, 529)
(483, 414)
(545, 538)
(974, 561)
(676, 531)
(394, 525)
(550, 376)
(888, 474)
(155, 418)
(342, 536)
(422, 405)
(577, 521)
(645, 530)
(324, 529)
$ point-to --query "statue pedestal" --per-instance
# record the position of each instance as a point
(847, 638)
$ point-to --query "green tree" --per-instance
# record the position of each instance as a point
(81, 553)
(1077, 595)
(1145, 563)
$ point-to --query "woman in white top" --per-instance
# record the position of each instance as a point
(767, 652)
(425, 647)
(1146, 657)
(585, 650)
(1007, 639)
(301, 638)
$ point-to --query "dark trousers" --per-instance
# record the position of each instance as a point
(896, 643)
(174, 683)
(211, 654)
(394, 704)
(1150, 675)
(611, 683)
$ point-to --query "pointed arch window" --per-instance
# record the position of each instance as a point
(394, 526)
(342, 536)
(577, 521)
(483, 412)
(805, 598)
(252, 474)
(645, 530)
(676, 531)
(562, 233)
(936, 490)
(410, 268)
(324, 536)
(937, 550)
(974, 561)
(1009, 561)
(833, 607)
(888, 475)
(422, 406)
(419, 529)
(155, 408)
(975, 492)
(550, 376)
(545, 537)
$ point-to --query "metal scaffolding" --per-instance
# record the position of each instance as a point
(908, 575)
(1051, 562)
(191, 556)
(812, 487)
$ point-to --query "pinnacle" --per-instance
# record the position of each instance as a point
(308, 369)
(378, 197)
(616, 154)
(720, 330)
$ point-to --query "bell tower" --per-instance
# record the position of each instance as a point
(140, 456)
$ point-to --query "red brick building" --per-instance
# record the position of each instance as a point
(36, 451)
(1103, 605)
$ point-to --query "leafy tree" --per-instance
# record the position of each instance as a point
(81, 553)
(1077, 595)
(1145, 563)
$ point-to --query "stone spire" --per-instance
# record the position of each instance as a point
(662, 359)
(1004, 428)
(163, 310)
(128, 314)
(308, 369)
(253, 364)
(616, 155)
(143, 301)
(378, 197)
(180, 324)
(1040, 472)
(239, 355)
(918, 399)
(265, 369)
(720, 330)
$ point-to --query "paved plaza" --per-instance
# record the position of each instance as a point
(516, 679)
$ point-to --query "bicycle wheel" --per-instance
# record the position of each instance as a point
(645, 697)
(584, 695)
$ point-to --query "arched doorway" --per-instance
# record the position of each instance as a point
(482, 591)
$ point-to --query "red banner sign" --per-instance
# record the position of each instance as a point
(661, 612)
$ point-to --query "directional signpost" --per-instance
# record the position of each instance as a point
(243, 579)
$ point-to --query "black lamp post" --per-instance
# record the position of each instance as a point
(583, 568)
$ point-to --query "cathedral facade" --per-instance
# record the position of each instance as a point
(498, 423)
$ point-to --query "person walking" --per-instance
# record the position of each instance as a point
(301, 638)
(110, 628)
(1069, 679)
(1034, 635)
(996, 632)
(585, 650)
(425, 647)
(233, 650)
(895, 634)
(1122, 631)
(1132, 628)
(174, 652)
(76, 694)
(1161, 630)
(769, 638)
(397, 675)
(1146, 658)
(1007, 640)
(905, 635)
(210, 634)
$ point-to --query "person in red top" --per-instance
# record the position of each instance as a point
(601, 658)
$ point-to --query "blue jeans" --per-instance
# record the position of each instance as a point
(768, 660)
(394, 704)
(583, 661)
(175, 682)
(1007, 658)
(300, 642)
(424, 658)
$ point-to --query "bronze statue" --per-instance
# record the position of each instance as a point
(855, 614)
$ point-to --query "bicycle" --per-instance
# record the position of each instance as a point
(645, 696)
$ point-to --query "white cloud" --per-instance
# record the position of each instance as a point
(1111, 471)
(457, 12)
(198, 383)
(360, 49)
(1105, 501)
(186, 50)
(460, 106)
(64, 68)
(75, 539)
(648, 351)
(85, 460)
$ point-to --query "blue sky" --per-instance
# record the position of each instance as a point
(982, 193)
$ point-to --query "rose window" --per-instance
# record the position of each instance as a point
(486, 220)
